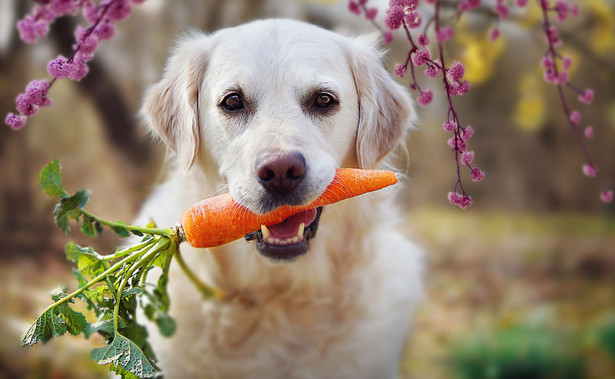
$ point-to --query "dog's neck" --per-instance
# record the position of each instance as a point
(337, 252)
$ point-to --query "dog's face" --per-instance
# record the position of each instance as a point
(276, 107)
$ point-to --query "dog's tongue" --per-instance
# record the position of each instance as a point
(290, 226)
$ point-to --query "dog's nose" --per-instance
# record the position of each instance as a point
(280, 172)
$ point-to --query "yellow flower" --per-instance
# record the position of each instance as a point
(530, 110)
(479, 54)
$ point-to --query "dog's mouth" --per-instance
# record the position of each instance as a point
(289, 239)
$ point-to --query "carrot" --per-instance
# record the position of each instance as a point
(220, 219)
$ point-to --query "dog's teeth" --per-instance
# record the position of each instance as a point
(265, 231)
(300, 230)
(295, 239)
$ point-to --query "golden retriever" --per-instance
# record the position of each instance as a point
(267, 111)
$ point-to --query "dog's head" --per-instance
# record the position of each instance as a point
(275, 107)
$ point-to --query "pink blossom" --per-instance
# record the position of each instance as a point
(104, 30)
(589, 132)
(574, 10)
(457, 144)
(119, 10)
(425, 98)
(587, 96)
(79, 69)
(410, 5)
(36, 92)
(453, 89)
(547, 62)
(467, 157)
(31, 29)
(87, 42)
(462, 201)
(25, 106)
(62, 7)
(15, 121)
(566, 63)
(466, 133)
(444, 34)
(466, 5)
(456, 71)
(562, 9)
(432, 71)
(421, 57)
(354, 7)
(549, 76)
(464, 87)
(562, 78)
(553, 36)
(477, 175)
(502, 10)
(400, 70)
(590, 170)
(59, 68)
(449, 126)
(422, 40)
(575, 117)
(371, 13)
(413, 19)
(394, 17)
(91, 12)
(388, 37)
(521, 3)
(494, 34)
(606, 196)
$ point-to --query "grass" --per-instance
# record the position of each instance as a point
(496, 279)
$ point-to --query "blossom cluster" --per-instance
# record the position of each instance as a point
(556, 70)
(35, 25)
(408, 16)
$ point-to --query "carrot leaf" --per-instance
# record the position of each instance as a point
(50, 180)
(112, 286)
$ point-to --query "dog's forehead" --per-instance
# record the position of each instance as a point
(278, 49)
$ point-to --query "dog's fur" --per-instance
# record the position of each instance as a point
(339, 311)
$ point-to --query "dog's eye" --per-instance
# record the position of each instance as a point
(324, 100)
(232, 102)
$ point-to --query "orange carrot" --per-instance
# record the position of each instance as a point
(220, 219)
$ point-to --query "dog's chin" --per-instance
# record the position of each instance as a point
(287, 241)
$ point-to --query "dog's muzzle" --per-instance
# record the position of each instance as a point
(289, 239)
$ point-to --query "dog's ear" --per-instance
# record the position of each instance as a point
(386, 110)
(171, 107)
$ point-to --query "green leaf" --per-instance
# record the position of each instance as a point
(89, 262)
(125, 354)
(166, 324)
(75, 321)
(68, 207)
(120, 230)
(102, 327)
(88, 226)
(50, 180)
(99, 228)
(47, 326)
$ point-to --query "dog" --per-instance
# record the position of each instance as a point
(267, 111)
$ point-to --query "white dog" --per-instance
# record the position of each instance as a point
(268, 111)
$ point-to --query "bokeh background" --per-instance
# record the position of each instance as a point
(520, 285)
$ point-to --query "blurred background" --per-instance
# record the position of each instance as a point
(520, 285)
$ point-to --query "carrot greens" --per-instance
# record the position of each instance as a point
(111, 286)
